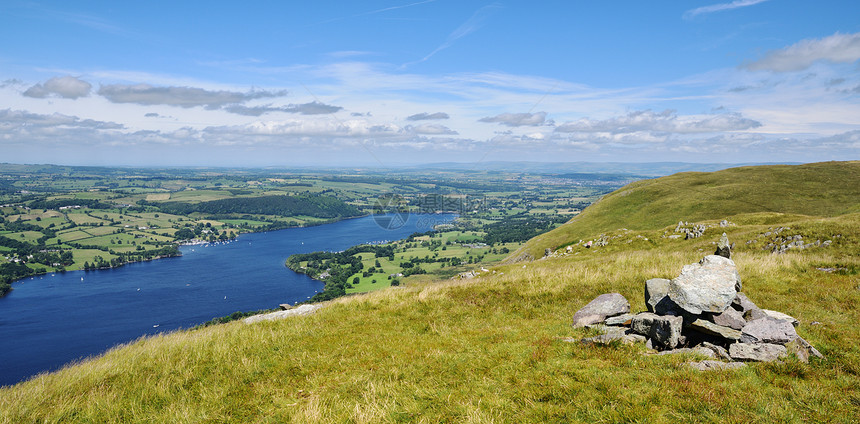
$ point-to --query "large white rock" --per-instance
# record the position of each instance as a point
(708, 286)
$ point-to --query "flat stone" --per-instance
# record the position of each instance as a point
(606, 329)
(759, 352)
(729, 318)
(768, 330)
(609, 338)
(697, 350)
(781, 316)
(663, 330)
(596, 311)
(708, 286)
(742, 303)
(715, 365)
(754, 314)
(623, 319)
(720, 351)
(708, 327)
(657, 297)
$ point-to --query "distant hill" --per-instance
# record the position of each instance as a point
(823, 189)
(652, 169)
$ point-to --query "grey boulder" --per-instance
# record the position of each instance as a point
(781, 316)
(596, 311)
(760, 352)
(707, 286)
(708, 327)
(657, 297)
(768, 330)
(729, 318)
(664, 330)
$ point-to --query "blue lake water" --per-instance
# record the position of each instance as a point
(50, 320)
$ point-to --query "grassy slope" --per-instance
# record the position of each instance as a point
(816, 189)
(489, 349)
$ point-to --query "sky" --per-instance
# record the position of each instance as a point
(394, 83)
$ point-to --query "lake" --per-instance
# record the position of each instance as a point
(50, 320)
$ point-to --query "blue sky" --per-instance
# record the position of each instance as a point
(389, 83)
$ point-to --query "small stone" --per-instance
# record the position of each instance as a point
(742, 303)
(802, 349)
(759, 352)
(729, 318)
(663, 330)
(606, 329)
(708, 327)
(609, 338)
(720, 351)
(781, 316)
(285, 306)
(768, 330)
(596, 311)
(724, 249)
(623, 319)
(754, 314)
(711, 365)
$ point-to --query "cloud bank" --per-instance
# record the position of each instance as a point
(667, 121)
(66, 87)
(427, 116)
(186, 97)
(517, 119)
(837, 48)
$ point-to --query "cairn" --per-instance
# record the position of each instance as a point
(702, 310)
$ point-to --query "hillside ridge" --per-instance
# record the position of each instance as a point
(823, 189)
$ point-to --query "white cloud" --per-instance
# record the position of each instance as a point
(667, 121)
(425, 116)
(17, 119)
(431, 129)
(145, 94)
(312, 108)
(517, 119)
(66, 87)
(837, 48)
(720, 7)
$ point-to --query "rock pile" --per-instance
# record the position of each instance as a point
(691, 230)
(702, 310)
(779, 244)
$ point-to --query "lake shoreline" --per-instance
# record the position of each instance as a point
(179, 244)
